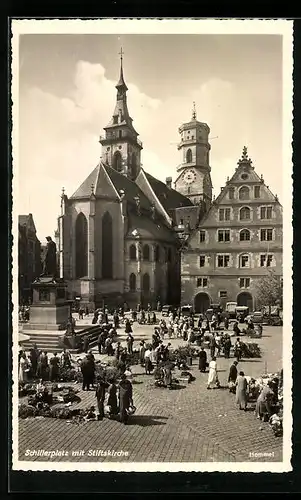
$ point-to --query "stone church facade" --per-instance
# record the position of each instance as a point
(117, 234)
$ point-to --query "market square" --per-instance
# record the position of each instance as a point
(152, 324)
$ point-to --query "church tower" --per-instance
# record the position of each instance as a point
(121, 146)
(194, 179)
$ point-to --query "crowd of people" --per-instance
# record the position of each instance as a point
(152, 355)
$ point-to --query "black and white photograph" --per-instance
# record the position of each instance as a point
(152, 255)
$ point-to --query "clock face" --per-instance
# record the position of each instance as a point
(189, 176)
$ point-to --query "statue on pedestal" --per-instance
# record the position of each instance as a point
(50, 263)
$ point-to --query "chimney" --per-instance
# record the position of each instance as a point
(168, 182)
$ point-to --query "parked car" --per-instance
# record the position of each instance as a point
(255, 317)
(186, 310)
(231, 310)
(241, 313)
(272, 316)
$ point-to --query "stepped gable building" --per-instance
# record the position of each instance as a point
(116, 234)
(29, 256)
(236, 241)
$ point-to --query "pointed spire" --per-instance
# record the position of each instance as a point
(63, 192)
(121, 86)
(245, 159)
(193, 111)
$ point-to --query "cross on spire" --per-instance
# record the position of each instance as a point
(193, 111)
(121, 54)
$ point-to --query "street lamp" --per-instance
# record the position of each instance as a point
(137, 236)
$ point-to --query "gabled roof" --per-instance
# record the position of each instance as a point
(108, 182)
(130, 188)
(169, 198)
(27, 220)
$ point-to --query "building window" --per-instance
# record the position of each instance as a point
(188, 190)
(81, 246)
(133, 253)
(244, 282)
(266, 260)
(244, 193)
(157, 253)
(132, 282)
(223, 260)
(117, 161)
(244, 261)
(107, 246)
(231, 193)
(223, 235)
(265, 212)
(202, 282)
(115, 120)
(266, 234)
(145, 283)
(145, 252)
(202, 260)
(223, 294)
(120, 133)
(245, 213)
(257, 192)
(244, 235)
(224, 214)
(188, 156)
(202, 236)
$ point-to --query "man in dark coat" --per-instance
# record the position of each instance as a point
(212, 346)
(34, 358)
(86, 344)
(88, 370)
(227, 346)
(202, 360)
(125, 398)
(100, 393)
(232, 376)
(54, 369)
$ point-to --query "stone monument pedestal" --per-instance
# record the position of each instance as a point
(49, 309)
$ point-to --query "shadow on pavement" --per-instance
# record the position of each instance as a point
(146, 420)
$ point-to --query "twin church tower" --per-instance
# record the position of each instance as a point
(122, 149)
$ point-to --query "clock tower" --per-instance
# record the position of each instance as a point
(194, 179)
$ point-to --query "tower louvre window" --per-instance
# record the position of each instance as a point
(189, 156)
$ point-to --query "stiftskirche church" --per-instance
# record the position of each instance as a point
(118, 234)
(125, 236)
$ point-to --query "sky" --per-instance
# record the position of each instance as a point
(67, 95)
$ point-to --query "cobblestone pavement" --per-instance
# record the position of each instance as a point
(191, 424)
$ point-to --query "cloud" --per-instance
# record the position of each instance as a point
(59, 135)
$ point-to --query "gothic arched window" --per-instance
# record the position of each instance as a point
(245, 213)
(157, 253)
(81, 246)
(107, 246)
(244, 235)
(117, 161)
(244, 193)
(133, 253)
(145, 252)
(132, 282)
(188, 156)
(145, 282)
(134, 166)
